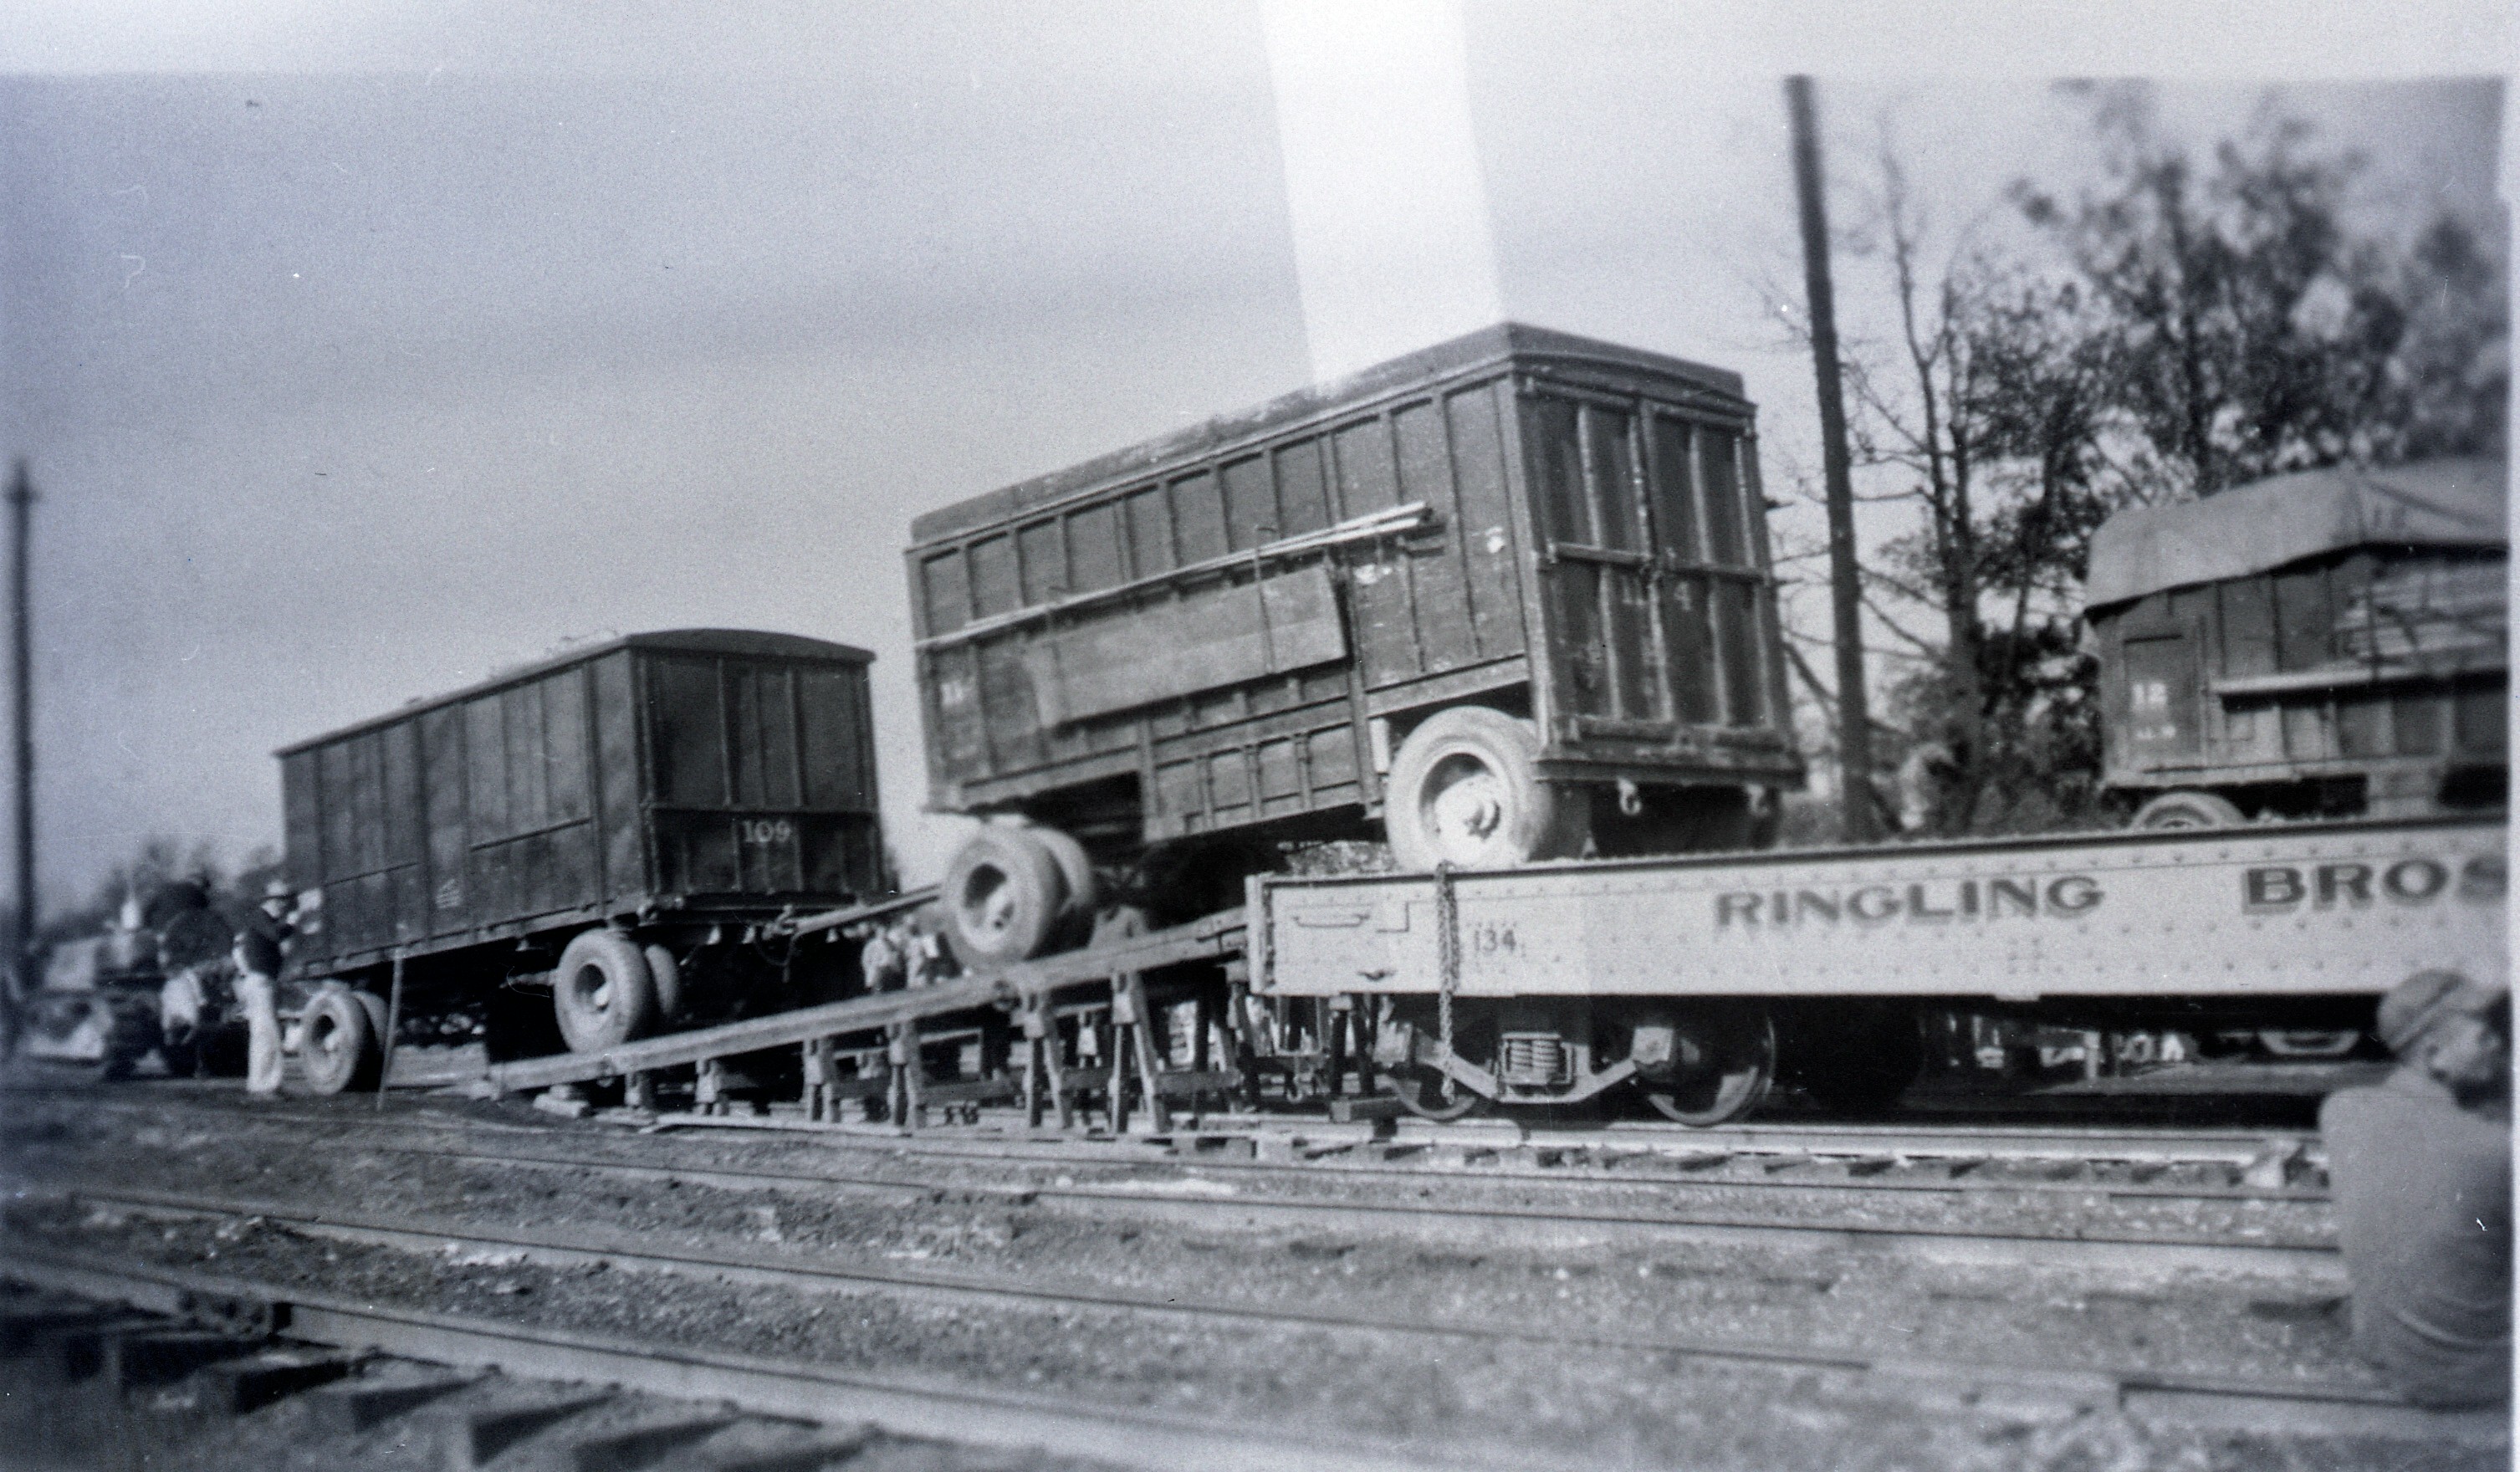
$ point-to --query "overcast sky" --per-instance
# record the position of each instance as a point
(360, 350)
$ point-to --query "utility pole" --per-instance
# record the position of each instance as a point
(1857, 821)
(21, 938)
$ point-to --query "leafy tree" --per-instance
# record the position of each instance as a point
(2248, 330)
(2200, 328)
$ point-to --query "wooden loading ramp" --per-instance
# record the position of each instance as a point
(1027, 984)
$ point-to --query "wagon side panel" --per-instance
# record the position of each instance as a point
(303, 834)
(446, 816)
(620, 780)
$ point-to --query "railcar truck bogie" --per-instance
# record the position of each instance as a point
(595, 847)
(1509, 595)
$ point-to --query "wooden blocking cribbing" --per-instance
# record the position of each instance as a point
(901, 1056)
(1042, 1073)
(1133, 1043)
(822, 1092)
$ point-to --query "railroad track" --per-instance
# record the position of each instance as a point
(2120, 1162)
(2272, 1165)
(2306, 1259)
(1203, 1196)
(902, 1405)
(913, 1407)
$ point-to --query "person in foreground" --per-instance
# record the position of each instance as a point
(2421, 1169)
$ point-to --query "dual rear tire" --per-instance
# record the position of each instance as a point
(1015, 891)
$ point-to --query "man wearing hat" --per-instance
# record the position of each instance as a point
(2422, 1168)
(257, 956)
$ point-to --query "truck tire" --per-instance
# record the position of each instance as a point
(2187, 810)
(337, 1048)
(1004, 896)
(1466, 790)
(1075, 873)
(602, 995)
(665, 979)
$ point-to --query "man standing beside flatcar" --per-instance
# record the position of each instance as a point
(2421, 1165)
(259, 958)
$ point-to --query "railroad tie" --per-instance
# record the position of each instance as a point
(620, 1449)
(759, 1446)
(348, 1407)
(236, 1387)
(470, 1436)
(150, 1359)
(66, 1352)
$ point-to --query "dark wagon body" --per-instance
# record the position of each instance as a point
(671, 786)
(1228, 629)
(2334, 642)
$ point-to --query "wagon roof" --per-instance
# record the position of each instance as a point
(738, 641)
(2268, 524)
(1488, 346)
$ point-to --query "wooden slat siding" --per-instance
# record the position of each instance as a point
(1675, 531)
(620, 757)
(302, 819)
(1491, 578)
(1214, 936)
(405, 833)
(1212, 639)
(450, 887)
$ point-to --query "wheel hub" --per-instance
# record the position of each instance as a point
(1466, 812)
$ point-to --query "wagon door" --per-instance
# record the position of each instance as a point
(1597, 570)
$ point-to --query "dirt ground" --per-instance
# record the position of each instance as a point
(1594, 1405)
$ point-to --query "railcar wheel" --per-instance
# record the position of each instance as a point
(1466, 790)
(1725, 1061)
(601, 996)
(2297, 1043)
(336, 1041)
(2188, 810)
(1428, 1095)
(1004, 896)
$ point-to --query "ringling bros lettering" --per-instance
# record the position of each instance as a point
(2272, 888)
(1928, 902)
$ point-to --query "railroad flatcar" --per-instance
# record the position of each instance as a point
(615, 827)
(1509, 595)
(2328, 644)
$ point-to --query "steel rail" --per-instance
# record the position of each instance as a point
(2315, 1261)
(1052, 1151)
(1819, 1143)
(1585, 1180)
(1990, 1245)
(2220, 1400)
(904, 1405)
